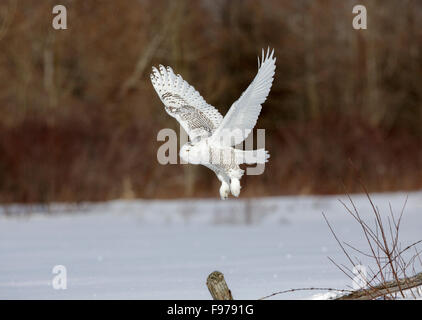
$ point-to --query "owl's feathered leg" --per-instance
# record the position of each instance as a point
(235, 176)
(224, 190)
(225, 187)
(235, 186)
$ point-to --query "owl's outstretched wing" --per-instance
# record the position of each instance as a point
(243, 114)
(183, 102)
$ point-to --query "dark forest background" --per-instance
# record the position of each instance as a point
(79, 116)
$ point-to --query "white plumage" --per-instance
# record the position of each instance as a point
(213, 137)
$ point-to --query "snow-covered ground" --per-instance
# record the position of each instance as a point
(166, 249)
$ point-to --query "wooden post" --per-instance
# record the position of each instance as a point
(218, 286)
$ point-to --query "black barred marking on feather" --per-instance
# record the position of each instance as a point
(195, 118)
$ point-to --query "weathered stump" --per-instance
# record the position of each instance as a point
(218, 286)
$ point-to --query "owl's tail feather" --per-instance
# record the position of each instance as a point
(252, 156)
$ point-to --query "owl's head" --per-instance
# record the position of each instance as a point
(185, 150)
(190, 153)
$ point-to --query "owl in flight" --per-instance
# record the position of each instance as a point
(212, 137)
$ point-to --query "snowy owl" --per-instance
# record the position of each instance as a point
(212, 137)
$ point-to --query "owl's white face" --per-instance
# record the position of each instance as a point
(195, 154)
(189, 153)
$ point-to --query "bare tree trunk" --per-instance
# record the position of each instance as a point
(49, 83)
(374, 110)
(7, 17)
(310, 78)
(179, 16)
(351, 42)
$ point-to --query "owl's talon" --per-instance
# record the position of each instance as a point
(224, 190)
(235, 187)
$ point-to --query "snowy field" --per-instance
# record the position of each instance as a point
(166, 249)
